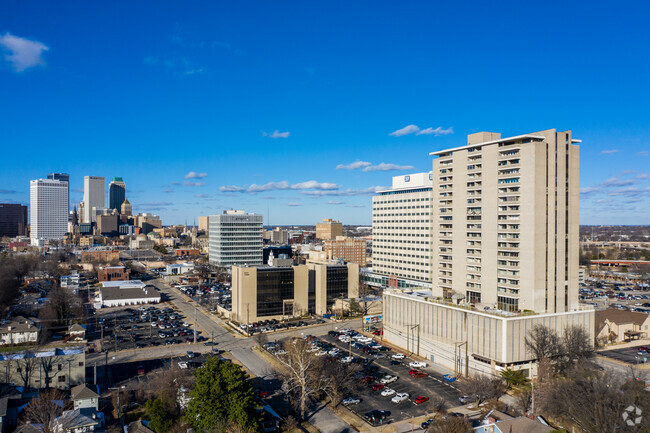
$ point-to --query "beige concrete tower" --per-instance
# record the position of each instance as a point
(505, 221)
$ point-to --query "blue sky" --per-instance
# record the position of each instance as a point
(204, 106)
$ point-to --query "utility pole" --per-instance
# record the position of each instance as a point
(95, 374)
(195, 324)
(248, 326)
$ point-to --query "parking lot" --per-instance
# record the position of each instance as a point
(368, 386)
(133, 327)
(629, 355)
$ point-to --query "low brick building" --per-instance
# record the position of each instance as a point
(113, 273)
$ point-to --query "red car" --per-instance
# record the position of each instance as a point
(419, 374)
(412, 372)
(262, 394)
(378, 386)
(367, 379)
(421, 399)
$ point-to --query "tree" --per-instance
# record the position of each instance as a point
(560, 353)
(338, 380)
(160, 418)
(355, 308)
(451, 425)
(593, 400)
(543, 342)
(301, 371)
(524, 398)
(514, 377)
(223, 393)
(482, 387)
(44, 409)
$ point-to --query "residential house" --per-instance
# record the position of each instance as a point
(85, 397)
(19, 331)
(74, 421)
(76, 332)
(614, 326)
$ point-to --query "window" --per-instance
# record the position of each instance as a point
(507, 304)
(62, 378)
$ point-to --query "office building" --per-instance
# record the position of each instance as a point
(235, 238)
(278, 236)
(402, 233)
(126, 208)
(116, 194)
(506, 221)
(328, 229)
(94, 197)
(504, 253)
(268, 292)
(13, 220)
(121, 293)
(148, 222)
(347, 249)
(108, 225)
(63, 177)
(203, 224)
(49, 213)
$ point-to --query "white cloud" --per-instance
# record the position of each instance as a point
(346, 193)
(643, 176)
(644, 153)
(189, 183)
(630, 192)
(293, 204)
(615, 182)
(436, 131)
(276, 134)
(609, 152)
(195, 175)
(589, 190)
(387, 167)
(334, 202)
(355, 205)
(22, 53)
(409, 129)
(353, 166)
(282, 185)
(414, 129)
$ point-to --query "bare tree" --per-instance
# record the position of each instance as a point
(301, 372)
(451, 425)
(338, 380)
(543, 342)
(437, 404)
(44, 409)
(483, 387)
(25, 367)
(524, 398)
(594, 401)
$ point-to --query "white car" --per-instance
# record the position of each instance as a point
(402, 396)
(417, 364)
(321, 353)
(351, 400)
(347, 360)
(398, 356)
(388, 379)
(280, 352)
(344, 339)
(364, 340)
(182, 364)
(387, 392)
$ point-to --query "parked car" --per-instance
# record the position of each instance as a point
(387, 392)
(420, 399)
(417, 364)
(190, 354)
(378, 386)
(400, 397)
(388, 379)
(398, 356)
(182, 364)
(350, 400)
(425, 425)
(465, 399)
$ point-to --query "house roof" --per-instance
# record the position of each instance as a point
(118, 294)
(138, 427)
(18, 324)
(82, 392)
(522, 425)
(619, 317)
(77, 328)
(72, 419)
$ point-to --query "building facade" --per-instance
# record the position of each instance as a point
(235, 238)
(94, 196)
(329, 229)
(268, 292)
(402, 234)
(346, 249)
(63, 177)
(203, 224)
(57, 367)
(116, 194)
(49, 214)
(506, 221)
(13, 220)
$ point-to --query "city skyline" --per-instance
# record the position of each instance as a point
(306, 116)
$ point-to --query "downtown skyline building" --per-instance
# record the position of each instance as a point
(116, 194)
(63, 177)
(48, 210)
(235, 238)
(94, 197)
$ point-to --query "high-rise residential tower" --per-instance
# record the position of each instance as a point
(401, 232)
(13, 220)
(116, 193)
(63, 177)
(235, 238)
(329, 229)
(94, 196)
(506, 221)
(49, 212)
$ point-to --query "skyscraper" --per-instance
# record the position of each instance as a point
(236, 238)
(94, 196)
(116, 193)
(49, 213)
(13, 220)
(63, 177)
(506, 221)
